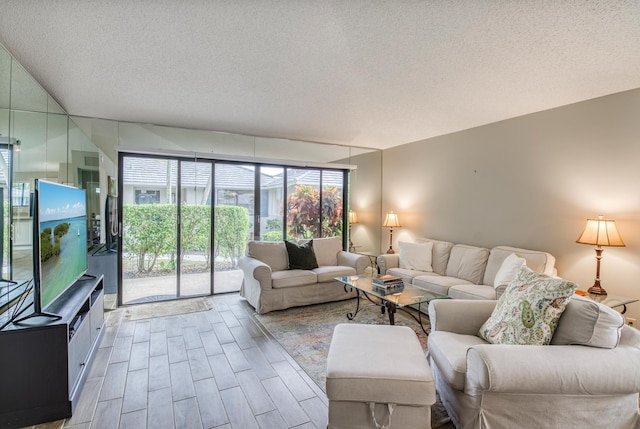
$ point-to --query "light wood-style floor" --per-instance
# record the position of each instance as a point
(213, 369)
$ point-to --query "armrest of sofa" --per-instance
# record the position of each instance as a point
(500, 290)
(386, 261)
(460, 316)
(577, 370)
(359, 262)
(257, 274)
(630, 337)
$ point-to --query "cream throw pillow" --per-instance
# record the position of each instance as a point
(416, 256)
(508, 270)
(529, 310)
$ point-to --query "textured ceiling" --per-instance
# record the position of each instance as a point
(356, 72)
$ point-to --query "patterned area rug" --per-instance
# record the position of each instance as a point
(305, 332)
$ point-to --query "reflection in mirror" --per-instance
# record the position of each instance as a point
(56, 149)
(365, 195)
(5, 78)
(4, 123)
(299, 150)
(37, 140)
(26, 94)
(169, 138)
(365, 181)
(83, 172)
(30, 130)
(6, 146)
(53, 106)
(103, 135)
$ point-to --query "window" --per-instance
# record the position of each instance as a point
(21, 194)
(143, 196)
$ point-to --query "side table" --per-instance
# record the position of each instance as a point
(614, 300)
(373, 260)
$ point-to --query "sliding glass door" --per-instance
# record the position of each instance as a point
(186, 223)
(271, 207)
(234, 222)
(149, 230)
(196, 184)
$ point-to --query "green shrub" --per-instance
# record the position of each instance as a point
(272, 236)
(231, 232)
(195, 232)
(274, 224)
(149, 231)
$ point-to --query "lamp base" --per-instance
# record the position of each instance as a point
(391, 251)
(596, 289)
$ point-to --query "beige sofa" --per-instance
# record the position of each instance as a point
(269, 284)
(589, 377)
(461, 271)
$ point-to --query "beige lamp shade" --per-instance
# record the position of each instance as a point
(391, 221)
(353, 217)
(601, 232)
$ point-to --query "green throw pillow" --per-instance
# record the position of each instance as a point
(301, 257)
(529, 310)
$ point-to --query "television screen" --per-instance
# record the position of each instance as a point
(62, 218)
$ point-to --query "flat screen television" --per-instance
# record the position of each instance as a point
(62, 226)
(59, 242)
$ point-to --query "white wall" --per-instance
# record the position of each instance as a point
(530, 182)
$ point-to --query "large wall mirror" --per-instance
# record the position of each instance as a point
(365, 181)
(37, 140)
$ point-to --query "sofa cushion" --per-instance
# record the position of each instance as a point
(508, 270)
(415, 256)
(328, 274)
(588, 323)
(449, 352)
(292, 278)
(326, 250)
(408, 275)
(467, 262)
(440, 254)
(541, 262)
(438, 284)
(272, 253)
(471, 291)
(529, 310)
(301, 256)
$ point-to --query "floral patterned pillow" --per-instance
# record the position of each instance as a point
(529, 310)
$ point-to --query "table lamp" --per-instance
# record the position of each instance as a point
(391, 221)
(600, 232)
(353, 218)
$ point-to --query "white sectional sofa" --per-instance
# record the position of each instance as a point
(269, 284)
(458, 270)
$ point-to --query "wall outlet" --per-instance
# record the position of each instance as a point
(630, 321)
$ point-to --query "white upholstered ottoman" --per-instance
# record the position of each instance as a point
(377, 371)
